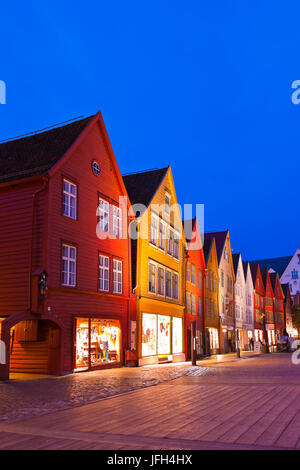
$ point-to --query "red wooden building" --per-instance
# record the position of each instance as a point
(195, 278)
(65, 282)
(278, 305)
(269, 307)
(259, 306)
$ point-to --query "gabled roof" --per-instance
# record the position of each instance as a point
(189, 225)
(286, 291)
(142, 186)
(235, 260)
(245, 267)
(254, 268)
(273, 278)
(207, 246)
(220, 238)
(277, 264)
(36, 154)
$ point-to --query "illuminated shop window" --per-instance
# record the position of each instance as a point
(177, 342)
(149, 334)
(164, 334)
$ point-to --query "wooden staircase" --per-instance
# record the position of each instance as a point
(30, 357)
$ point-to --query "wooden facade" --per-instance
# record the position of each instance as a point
(211, 301)
(35, 234)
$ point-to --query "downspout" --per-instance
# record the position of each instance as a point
(45, 182)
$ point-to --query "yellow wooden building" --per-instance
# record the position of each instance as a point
(157, 266)
(211, 302)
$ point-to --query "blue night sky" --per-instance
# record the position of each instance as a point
(204, 86)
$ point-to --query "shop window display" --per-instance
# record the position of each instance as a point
(164, 342)
(104, 347)
(177, 335)
(149, 334)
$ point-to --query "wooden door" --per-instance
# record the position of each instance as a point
(54, 351)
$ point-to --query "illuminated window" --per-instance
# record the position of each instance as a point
(103, 273)
(68, 265)
(70, 199)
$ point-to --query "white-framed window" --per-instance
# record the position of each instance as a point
(152, 278)
(200, 306)
(68, 265)
(168, 284)
(161, 281)
(199, 279)
(176, 245)
(103, 213)
(153, 230)
(170, 242)
(188, 302)
(188, 271)
(167, 204)
(162, 236)
(193, 304)
(69, 199)
(117, 221)
(193, 273)
(175, 285)
(117, 276)
(104, 273)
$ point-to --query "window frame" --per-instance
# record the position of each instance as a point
(69, 195)
(68, 259)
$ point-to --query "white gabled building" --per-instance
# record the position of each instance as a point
(243, 301)
(291, 274)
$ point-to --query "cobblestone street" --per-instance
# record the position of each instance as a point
(236, 404)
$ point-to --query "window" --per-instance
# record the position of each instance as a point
(211, 282)
(294, 274)
(167, 204)
(161, 281)
(222, 278)
(207, 280)
(193, 274)
(193, 305)
(103, 273)
(188, 302)
(153, 230)
(70, 199)
(170, 242)
(175, 285)
(188, 271)
(117, 276)
(200, 306)
(103, 212)
(291, 287)
(207, 307)
(199, 279)
(95, 168)
(152, 278)
(226, 256)
(117, 221)
(176, 245)
(168, 284)
(68, 265)
(162, 236)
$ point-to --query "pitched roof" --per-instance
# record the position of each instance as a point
(273, 277)
(188, 225)
(220, 238)
(245, 266)
(277, 264)
(235, 260)
(142, 186)
(36, 154)
(254, 269)
(207, 246)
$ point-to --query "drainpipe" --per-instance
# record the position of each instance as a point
(45, 182)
